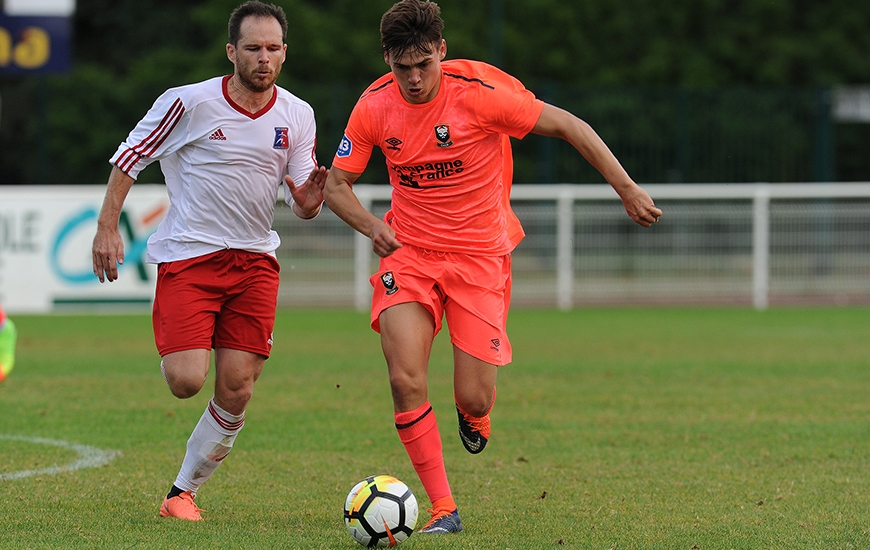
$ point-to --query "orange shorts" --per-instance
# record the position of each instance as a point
(473, 292)
(226, 299)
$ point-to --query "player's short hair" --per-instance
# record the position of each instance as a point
(411, 26)
(255, 8)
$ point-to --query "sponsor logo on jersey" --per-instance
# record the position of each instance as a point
(393, 143)
(389, 283)
(218, 135)
(345, 148)
(410, 176)
(442, 134)
(282, 138)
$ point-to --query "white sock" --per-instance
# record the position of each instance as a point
(211, 441)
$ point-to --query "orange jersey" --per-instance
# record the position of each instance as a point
(449, 159)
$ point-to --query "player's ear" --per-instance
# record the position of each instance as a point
(387, 58)
(442, 50)
(231, 53)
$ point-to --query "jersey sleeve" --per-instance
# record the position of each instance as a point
(161, 132)
(506, 106)
(357, 144)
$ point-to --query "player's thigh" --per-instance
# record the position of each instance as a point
(473, 382)
(408, 275)
(476, 308)
(187, 299)
(407, 331)
(247, 319)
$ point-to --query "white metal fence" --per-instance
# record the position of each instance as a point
(741, 243)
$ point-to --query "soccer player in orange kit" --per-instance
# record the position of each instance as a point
(445, 245)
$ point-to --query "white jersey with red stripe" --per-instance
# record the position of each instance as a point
(222, 164)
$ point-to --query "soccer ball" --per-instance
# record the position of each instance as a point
(380, 512)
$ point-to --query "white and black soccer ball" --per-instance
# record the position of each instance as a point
(380, 512)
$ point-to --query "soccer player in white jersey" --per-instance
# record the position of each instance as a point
(225, 146)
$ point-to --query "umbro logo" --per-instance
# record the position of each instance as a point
(218, 135)
(393, 143)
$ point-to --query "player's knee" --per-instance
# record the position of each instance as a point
(183, 383)
(475, 409)
(236, 401)
(185, 388)
(404, 383)
(233, 395)
(184, 391)
(474, 403)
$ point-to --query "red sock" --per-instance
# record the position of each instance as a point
(419, 433)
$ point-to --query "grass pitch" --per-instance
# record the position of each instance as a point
(613, 429)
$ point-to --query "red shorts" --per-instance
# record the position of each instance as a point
(226, 299)
(473, 292)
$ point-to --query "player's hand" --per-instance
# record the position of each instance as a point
(309, 195)
(108, 253)
(384, 240)
(640, 207)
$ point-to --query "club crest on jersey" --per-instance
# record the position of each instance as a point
(442, 134)
(389, 283)
(282, 138)
(345, 148)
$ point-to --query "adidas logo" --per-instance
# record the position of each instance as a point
(218, 135)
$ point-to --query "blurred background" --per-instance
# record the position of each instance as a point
(683, 91)
(701, 96)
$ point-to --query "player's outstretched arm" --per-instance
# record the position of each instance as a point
(308, 197)
(556, 122)
(108, 249)
(340, 198)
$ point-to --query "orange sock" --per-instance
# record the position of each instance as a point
(443, 505)
(419, 433)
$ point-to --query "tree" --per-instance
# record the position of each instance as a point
(63, 129)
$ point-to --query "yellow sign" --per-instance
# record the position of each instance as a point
(31, 52)
(34, 44)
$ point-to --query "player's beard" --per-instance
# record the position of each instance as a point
(254, 82)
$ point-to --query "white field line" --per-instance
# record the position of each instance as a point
(89, 457)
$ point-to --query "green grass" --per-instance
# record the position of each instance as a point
(614, 429)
